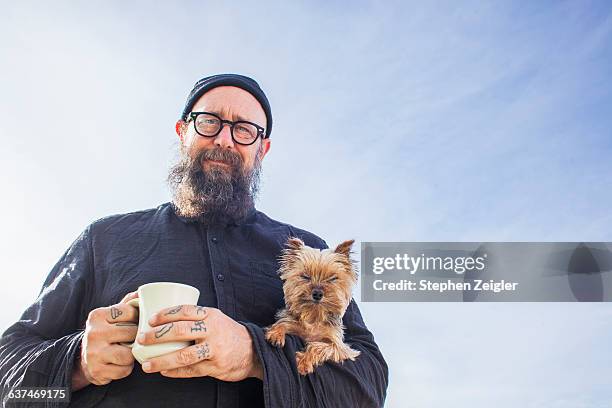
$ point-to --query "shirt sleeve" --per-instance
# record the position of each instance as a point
(359, 383)
(40, 349)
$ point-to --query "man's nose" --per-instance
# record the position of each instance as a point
(224, 138)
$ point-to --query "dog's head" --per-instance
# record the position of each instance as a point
(317, 284)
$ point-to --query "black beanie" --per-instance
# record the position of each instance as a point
(248, 84)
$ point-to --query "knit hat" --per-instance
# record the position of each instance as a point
(248, 84)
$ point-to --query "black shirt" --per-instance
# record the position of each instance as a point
(235, 268)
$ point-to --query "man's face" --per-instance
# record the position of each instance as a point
(230, 103)
(215, 177)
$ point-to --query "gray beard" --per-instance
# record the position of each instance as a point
(215, 194)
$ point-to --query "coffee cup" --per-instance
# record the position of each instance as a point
(152, 298)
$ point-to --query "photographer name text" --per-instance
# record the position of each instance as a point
(427, 285)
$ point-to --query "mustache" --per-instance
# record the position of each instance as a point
(221, 155)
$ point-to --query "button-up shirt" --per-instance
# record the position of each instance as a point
(234, 265)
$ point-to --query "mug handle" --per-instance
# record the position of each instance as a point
(136, 303)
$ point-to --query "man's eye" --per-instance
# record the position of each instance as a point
(207, 122)
(305, 277)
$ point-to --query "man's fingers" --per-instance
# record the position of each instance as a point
(121, 312)
(129, 296)
(181, 312)
(196, 370)
(116, 372)
(175, 331)
(118, 355)
(184, 357)
(122, 332)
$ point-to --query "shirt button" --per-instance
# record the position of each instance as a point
(214, 239)
(221, 277)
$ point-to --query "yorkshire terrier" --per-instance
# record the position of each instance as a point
(317, 286)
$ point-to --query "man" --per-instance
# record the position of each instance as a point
(211, 237)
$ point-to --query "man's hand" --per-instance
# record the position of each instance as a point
(102, 359)
(223, 348)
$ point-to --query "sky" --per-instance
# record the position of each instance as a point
(393, 121)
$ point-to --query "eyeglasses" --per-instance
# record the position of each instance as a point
(209, 125)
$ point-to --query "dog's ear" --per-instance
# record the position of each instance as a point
(345, 247)
(289, 256)
(294, 243)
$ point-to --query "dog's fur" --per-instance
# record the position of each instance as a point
(308, 274)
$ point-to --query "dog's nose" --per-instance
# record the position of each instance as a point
(317, 295)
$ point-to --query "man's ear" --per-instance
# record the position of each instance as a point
(180, 128)
(263, 150)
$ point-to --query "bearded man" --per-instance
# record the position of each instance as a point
(211, 237)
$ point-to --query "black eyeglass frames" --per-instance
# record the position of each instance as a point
(210, 124)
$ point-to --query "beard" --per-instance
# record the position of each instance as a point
(213, 193)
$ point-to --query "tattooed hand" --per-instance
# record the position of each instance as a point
(223, 348)
(102, 358)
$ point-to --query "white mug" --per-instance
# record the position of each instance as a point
(152, 298)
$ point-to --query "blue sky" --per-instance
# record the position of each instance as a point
(395, 121)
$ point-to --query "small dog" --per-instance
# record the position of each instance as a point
(317, 286)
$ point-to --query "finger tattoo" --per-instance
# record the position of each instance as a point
(174, 310)
(198, 326)
(203, 351)
(200, 309)
(115, 313)
(163, 330)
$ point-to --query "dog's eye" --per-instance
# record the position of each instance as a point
(332, 279)
(305, 277)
